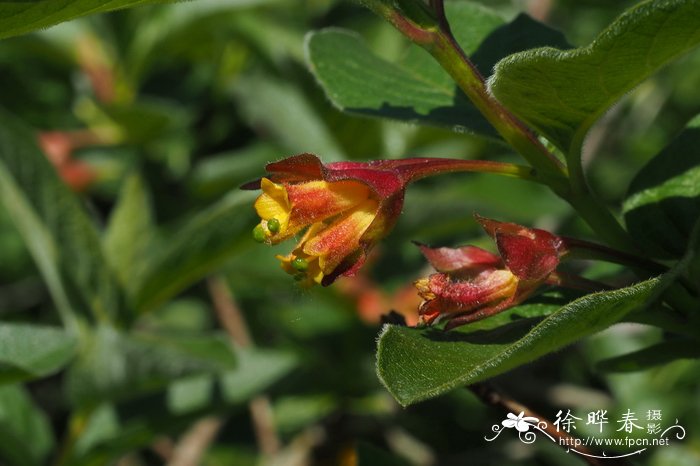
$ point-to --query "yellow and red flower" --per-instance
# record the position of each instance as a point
(344, 208)
(472, 283)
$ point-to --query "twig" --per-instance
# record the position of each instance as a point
(232, 320)
(195, 442)
(491, 396)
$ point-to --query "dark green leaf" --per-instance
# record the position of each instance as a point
(20, 17)
(25, 432)
(56, 228)
(416, 89)
(562, 93)
(203, 244)
(663, 202)
(32, 351)
(416, 364)
(113, 365)
(655, 355)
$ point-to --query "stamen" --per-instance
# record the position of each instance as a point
(273, 225)
(259, 233)
(300, 264)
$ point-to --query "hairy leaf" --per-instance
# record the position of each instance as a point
(32, 351)
(113, 365)
(416, 364)
(57, 230)
(562, 93)
(203, 243)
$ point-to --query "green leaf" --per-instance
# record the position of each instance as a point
(655, 355)
(33, 351)
(113, 365)
(130, 230)
(284, 112)
(201, 245)
(20, 17)
(257, 369)
(58, 232)
(190, 394)
(416, 364)
(663, 201)
(562, 93)
(416, 89)
(25, 431)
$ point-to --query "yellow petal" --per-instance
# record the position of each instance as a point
(342, 237)
(273, 203)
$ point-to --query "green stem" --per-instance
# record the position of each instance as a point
(428, 27)
(580, 249)
(451, 57)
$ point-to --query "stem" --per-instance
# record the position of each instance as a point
(195, 442)
(233, 321)
(448, 53)
(581, 249)
(419, 168)
(576, 282)
(601, 221)
(428, 27)
(77, 422)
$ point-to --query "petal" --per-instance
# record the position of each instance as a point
(302, 167)
(530, 253)
(384, 183)
(342, 237)
(530, 259)
(508, 423)
(459, 259)
(273, 203)
(297, 206)
(314, 201)
(488, 288)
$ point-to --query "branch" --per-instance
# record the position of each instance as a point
(232, 320)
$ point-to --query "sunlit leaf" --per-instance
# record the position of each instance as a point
(562, 93)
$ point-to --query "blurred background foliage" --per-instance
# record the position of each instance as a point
(155, 116)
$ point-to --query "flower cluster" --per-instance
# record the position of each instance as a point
(342, 208)
(472, 283)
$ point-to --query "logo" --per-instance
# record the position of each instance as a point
(630, 434)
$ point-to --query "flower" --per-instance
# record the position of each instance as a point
(521, 422)
(344, 207)
(472, 283)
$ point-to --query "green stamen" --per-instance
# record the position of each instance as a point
(300, 264)
(259, 234)
(273, 225)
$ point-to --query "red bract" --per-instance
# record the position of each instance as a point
(473, 284)
(345, 207)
